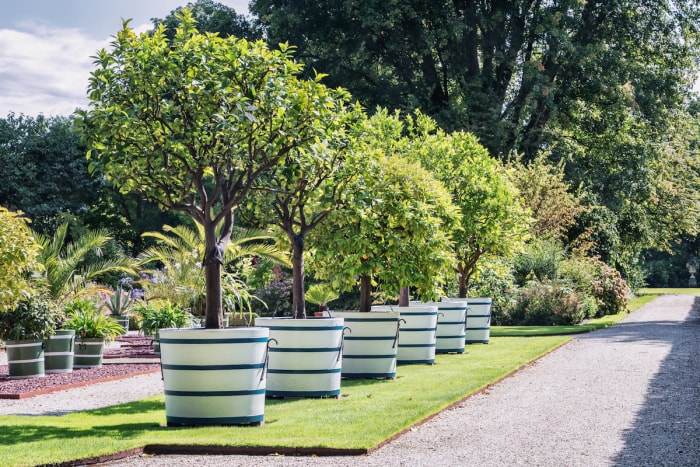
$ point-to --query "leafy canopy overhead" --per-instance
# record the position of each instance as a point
(191, 123)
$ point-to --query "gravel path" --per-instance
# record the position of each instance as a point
(625, 396)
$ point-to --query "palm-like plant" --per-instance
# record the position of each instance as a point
(65, 270)
(321, 295)
(180, 251)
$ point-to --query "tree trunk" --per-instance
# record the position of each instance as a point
(213, 318)
(463, 285)
(298, 289)
(404, 296)
(365, 293)
(213, 261)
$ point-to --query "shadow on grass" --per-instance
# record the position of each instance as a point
(30, 431)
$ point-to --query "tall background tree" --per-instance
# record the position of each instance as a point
(599, 85)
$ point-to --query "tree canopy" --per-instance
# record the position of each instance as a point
(191, 123)
(393, 228)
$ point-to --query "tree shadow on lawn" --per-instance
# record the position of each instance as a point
(28, 430)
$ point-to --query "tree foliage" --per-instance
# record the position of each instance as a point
(191, 123)
(393, 229)
(501, 70)
(65, 266)
(211, 17)
(599, 85)
(18, 254)
(492, 219)
(44, 169)
(545, 191)
(307, 186)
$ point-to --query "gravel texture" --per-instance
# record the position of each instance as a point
(624, 396)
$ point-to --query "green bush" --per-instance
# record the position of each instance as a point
(593, 277)
(89, 320)
(541, 260)
(165, 316)
(35, 317)
(494, 279)
(545, 304)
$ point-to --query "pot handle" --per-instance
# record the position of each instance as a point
(398, 326)
(342, 341)
(267, 358)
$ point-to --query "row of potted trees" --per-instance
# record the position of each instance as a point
(223, 376)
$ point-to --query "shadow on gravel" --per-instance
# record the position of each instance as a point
(667, 428)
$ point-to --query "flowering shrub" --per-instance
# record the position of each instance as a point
(276, 298)
(593, 277)
(545, 304)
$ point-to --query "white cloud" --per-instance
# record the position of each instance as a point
(46, 70)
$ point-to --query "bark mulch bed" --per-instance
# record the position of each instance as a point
(131, 347)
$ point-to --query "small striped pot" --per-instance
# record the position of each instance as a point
(87, 352)
(478, 328)
(58, 352)
(305, 356)
(370, 344)
(25, 358)
(214, 376)
(451, 327)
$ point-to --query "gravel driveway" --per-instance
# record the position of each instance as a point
(624, 396)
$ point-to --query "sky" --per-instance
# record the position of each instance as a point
(46, 47)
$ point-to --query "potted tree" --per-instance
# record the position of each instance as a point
(394, 231)
(23, 329)
(493, 220)
(210, 132)
(92, 329)
(297, 197)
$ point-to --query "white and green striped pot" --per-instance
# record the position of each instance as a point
(305, 356)
(417, 335)
(214, 376)
(25, 358)
(370, 344)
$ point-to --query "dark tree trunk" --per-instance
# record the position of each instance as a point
(365, 293)
(213, 318)
(213, 261)
(298, 289)
(404, 296)
(463, 281)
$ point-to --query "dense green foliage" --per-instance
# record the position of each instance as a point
(89, 321)
(196, 138)
(44, 169)
(599, 86)
(33, 317)
(393, 228)
(212, 17)
(18, 254)
(493, 220)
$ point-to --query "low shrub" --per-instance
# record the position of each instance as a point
(545, 304)
(541, 260)
(593, 277)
